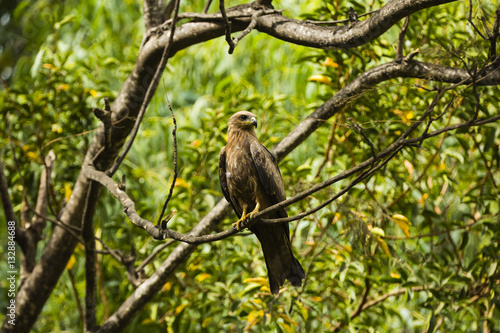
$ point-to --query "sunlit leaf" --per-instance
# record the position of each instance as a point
(330, 63)
(180, 308)
(403, 223)
(320, 79)
(71, 262)
(383, 245)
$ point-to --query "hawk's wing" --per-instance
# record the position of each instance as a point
(269, 175)
(223, 180)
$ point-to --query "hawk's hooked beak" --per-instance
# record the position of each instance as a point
(253, 121)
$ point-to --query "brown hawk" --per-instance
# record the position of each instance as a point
(251, 181)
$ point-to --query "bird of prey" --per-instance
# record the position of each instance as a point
(251, 181)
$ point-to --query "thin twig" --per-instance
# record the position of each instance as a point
(328, 148)
(360, 130)
(227, 25)
(77, 296)
(149, 94)
(472, 23)
(207, 6)
(153, 255)
(401, 39)
(248, 29)
(171, 191)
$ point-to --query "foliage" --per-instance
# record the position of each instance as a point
(444, 195)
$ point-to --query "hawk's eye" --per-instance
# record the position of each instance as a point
(243, 117)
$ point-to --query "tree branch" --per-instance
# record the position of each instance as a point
(90, 257)
(172, 185)
(153, 10)
(401, 39)
(227, 27)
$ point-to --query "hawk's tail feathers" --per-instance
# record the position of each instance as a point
(280, 261)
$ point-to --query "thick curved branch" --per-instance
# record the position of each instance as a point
(347, 36)
(153, 10)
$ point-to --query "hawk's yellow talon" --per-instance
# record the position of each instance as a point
(245, 216)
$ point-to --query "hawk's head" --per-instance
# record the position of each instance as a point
(243, 120)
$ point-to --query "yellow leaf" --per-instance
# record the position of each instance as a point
(405, 116)
(403, 223)
(32, 155)
(286, 328)
(63, 86)
(423, 199)
(67, 191)
(259, 280)
(255, 314)
(166, 287)
(265, 289)
(316, 298)
(206, 322)
(321, 79)
(71, 262)
(179, 182)
(330, 63)
(287, 319)
(93, 92)
(257, 301)
(203, 276)
(49, 66)
(395, 275)
(56, 128)
(195, 143)
(302, 309)
(180, 308)
(376, 231)
(384, 247)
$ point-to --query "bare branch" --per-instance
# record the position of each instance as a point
(153, 10)
(172, 185)
(339, 21)
(207, 6)
(227, 27)
(401, 39)
(391, 294)
(362, 32)
(90, 257)
(494, 34)
(472, 22)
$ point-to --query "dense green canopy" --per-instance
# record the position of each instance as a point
(413, 245)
